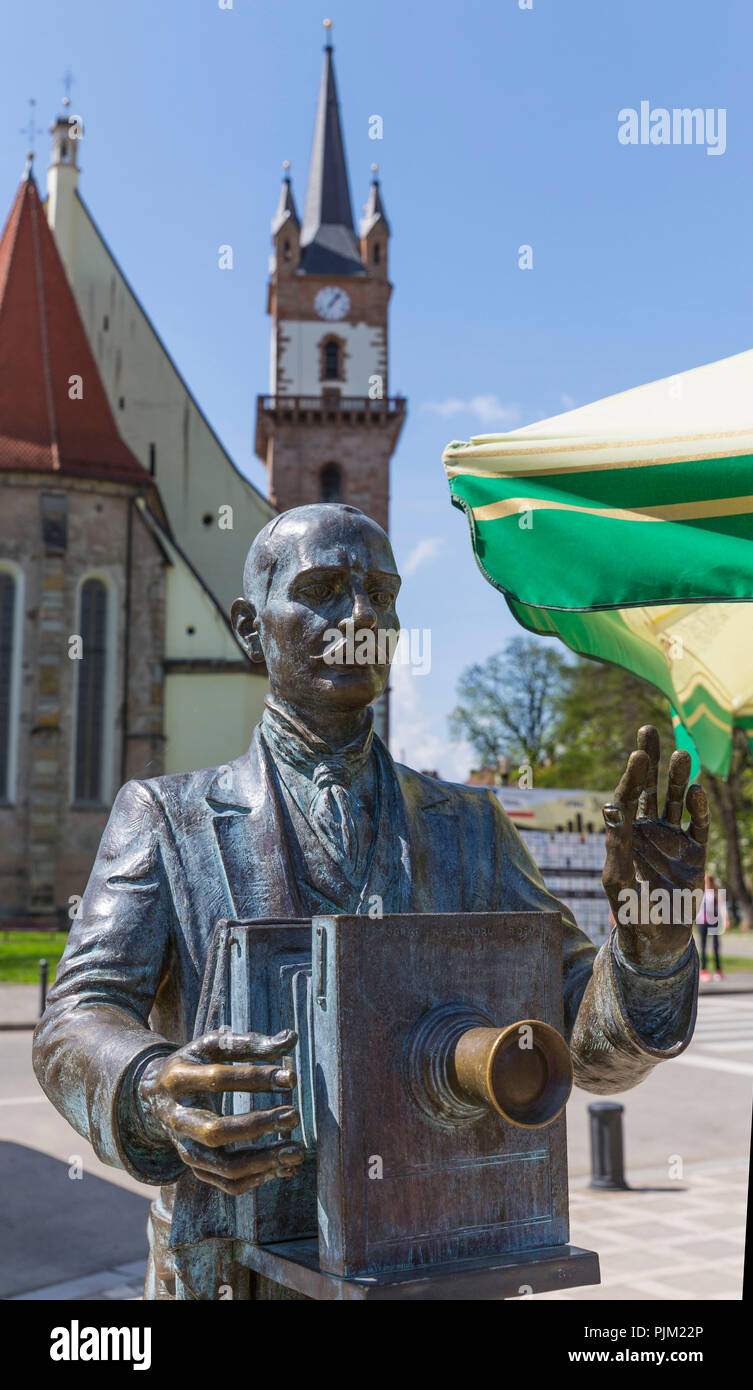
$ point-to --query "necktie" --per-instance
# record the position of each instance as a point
(332, 811)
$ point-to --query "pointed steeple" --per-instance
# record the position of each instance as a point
(373, 213)
(286, 209)
(328, 238)
(54, 413)
(66, 131)
(62, 182)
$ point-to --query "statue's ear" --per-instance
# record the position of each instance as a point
(243, 619)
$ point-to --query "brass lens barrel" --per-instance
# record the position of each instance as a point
(524, 1071)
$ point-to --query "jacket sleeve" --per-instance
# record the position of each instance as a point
(94, 1039)
(619, 1022)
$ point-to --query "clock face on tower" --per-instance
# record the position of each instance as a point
(332, 303)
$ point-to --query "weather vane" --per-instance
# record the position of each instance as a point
(328, 26)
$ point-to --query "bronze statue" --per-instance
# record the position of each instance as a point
(317, 818)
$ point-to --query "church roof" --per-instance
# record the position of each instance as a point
(46, 423)
(328, 240)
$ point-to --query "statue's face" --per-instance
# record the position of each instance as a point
(325, 624)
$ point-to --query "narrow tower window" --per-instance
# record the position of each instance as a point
(331, 483)
(90, 704)
(332, 360)
(7, 613)
(377, 253)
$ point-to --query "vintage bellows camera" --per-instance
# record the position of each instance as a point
(432, 1080)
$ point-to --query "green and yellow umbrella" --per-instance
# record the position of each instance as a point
(625, 528)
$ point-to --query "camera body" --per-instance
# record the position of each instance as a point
(432, 1077)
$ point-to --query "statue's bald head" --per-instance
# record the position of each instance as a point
(312, 576)
(273, 545)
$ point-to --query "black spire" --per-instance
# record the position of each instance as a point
(328, 239)
(373, 212)
(286, 211)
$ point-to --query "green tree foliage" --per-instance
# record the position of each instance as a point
(597, 716)
(732, 829)
(574, 721)
(508, 703)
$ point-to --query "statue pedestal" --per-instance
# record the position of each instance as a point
(295, 1265)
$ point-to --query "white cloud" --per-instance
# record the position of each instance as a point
(567, 401)
(425, 550)
(489, 409)
(421, 740)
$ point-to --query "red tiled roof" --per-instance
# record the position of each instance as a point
(42, 344)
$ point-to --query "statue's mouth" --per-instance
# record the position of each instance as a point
(331, 653)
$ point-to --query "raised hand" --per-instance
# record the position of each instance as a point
(170, 1096)
(646, 852)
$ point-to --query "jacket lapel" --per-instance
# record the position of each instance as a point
(251, 838)
(435, 852)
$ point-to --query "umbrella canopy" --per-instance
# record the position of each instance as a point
(624, 528)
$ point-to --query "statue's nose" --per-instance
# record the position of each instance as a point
(363, 614)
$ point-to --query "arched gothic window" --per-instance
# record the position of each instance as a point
(91, 692)
(331, 483)
(8, 637)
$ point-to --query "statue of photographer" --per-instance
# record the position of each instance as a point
(317, 818)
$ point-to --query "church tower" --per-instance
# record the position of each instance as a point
(328, 428)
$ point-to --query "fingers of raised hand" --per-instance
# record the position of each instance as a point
(631, 783)
(240, 1171)
(223, 1046)
(186, 1078)
(679, 772)
(648, 742)
(214, 1131)
(619, 814)
(698, 809)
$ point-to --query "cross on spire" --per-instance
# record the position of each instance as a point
(31, 129)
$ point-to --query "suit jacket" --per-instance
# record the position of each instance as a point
(180, 852)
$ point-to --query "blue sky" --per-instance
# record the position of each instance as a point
(500, 128)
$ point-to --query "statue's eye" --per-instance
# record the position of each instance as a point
(317, 593)
(382, 597)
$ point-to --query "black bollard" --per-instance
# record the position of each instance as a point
(607, 1161)
(42, 986)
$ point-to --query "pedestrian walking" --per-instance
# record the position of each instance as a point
(711, 921)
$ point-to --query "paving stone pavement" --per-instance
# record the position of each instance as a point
(665, 1239)
(120, 1284)
(682, 1239)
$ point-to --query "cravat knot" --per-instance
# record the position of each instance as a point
(332, 772)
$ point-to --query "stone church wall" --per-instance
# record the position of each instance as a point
(47, 844)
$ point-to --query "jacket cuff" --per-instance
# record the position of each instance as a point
(657, 1010)
(137, 1152)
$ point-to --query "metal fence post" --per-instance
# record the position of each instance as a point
(607, 1157)
(43, 967)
